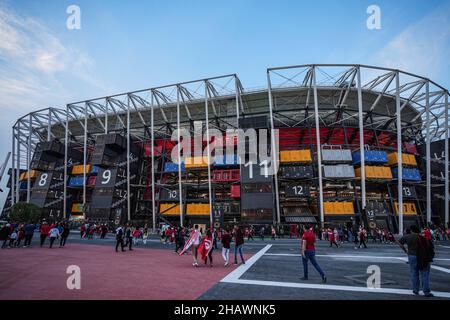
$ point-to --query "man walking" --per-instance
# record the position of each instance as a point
(239, 243)
(4, 233)
(309, 253)
(45, 229)
(420, 253)
(104, 229)
(179, 239)
(64, 234)
(29, 232)
(119, 238)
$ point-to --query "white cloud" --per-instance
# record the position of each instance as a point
(33, 60)
(422, 48)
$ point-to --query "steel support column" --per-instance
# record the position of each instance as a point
(319, 155)
(361, 141)
(66, 149)
(13, 171)
(179, 157)
(208, 155)
(84, 160)
(18, 165)
(428, 151)
(30, 132)
(273, 148)
(236, 87)
(399, 153)
(128, 160)
(152, 134)
(106, 116)
(446, 162)
(49, 124)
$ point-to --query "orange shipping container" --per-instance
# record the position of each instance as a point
(79, 169)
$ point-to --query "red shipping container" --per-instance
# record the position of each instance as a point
(410, 147)
(226, 175)
(92, 180)
(235, 191)
(148, 150)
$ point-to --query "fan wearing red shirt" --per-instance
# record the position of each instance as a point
(309, 253)
(45, 229)
(427, 234)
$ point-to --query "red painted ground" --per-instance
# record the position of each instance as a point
(40, 273)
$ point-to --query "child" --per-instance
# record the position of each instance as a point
(20, 236)
(136, 236)
(12, 238)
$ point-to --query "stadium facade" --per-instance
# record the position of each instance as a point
(340, 130)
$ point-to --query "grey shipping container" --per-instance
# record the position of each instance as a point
(339, 171)
(338, 155)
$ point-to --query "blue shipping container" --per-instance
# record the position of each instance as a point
(226, 160)
(173, 167)
(408, 174)
(370, 156)
(94, 169)
(76, 181)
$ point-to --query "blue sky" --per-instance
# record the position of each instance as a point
(130, 45)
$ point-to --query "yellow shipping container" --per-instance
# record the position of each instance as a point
(197, 209)
(287, 156)
(348, 208)
(78, 169)
(24, 175)
(196, 162)
(338, 208)
(409, 208)
(169, 209)
(375, 172)
(407, 159)
(77, 208)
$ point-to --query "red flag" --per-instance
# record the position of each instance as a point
(205, 247)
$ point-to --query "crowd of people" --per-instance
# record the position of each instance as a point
(90, 230)
(417, 244)
(20, 235)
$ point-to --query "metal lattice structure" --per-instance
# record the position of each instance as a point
(412, 106)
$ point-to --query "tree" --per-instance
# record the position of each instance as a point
(25, 213)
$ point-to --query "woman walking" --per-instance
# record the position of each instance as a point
(332, 239)
(206, 248)
(53, 234)
(145, 236)
(226, 241)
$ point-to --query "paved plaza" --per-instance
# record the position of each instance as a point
(273, 271)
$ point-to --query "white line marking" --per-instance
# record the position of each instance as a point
(440, 245)
(238, 272)
(440, 269)
(331, 287)
(346, 256)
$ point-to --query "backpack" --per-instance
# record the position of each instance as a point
(425, 252)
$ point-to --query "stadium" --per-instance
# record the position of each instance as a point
(356, 145)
